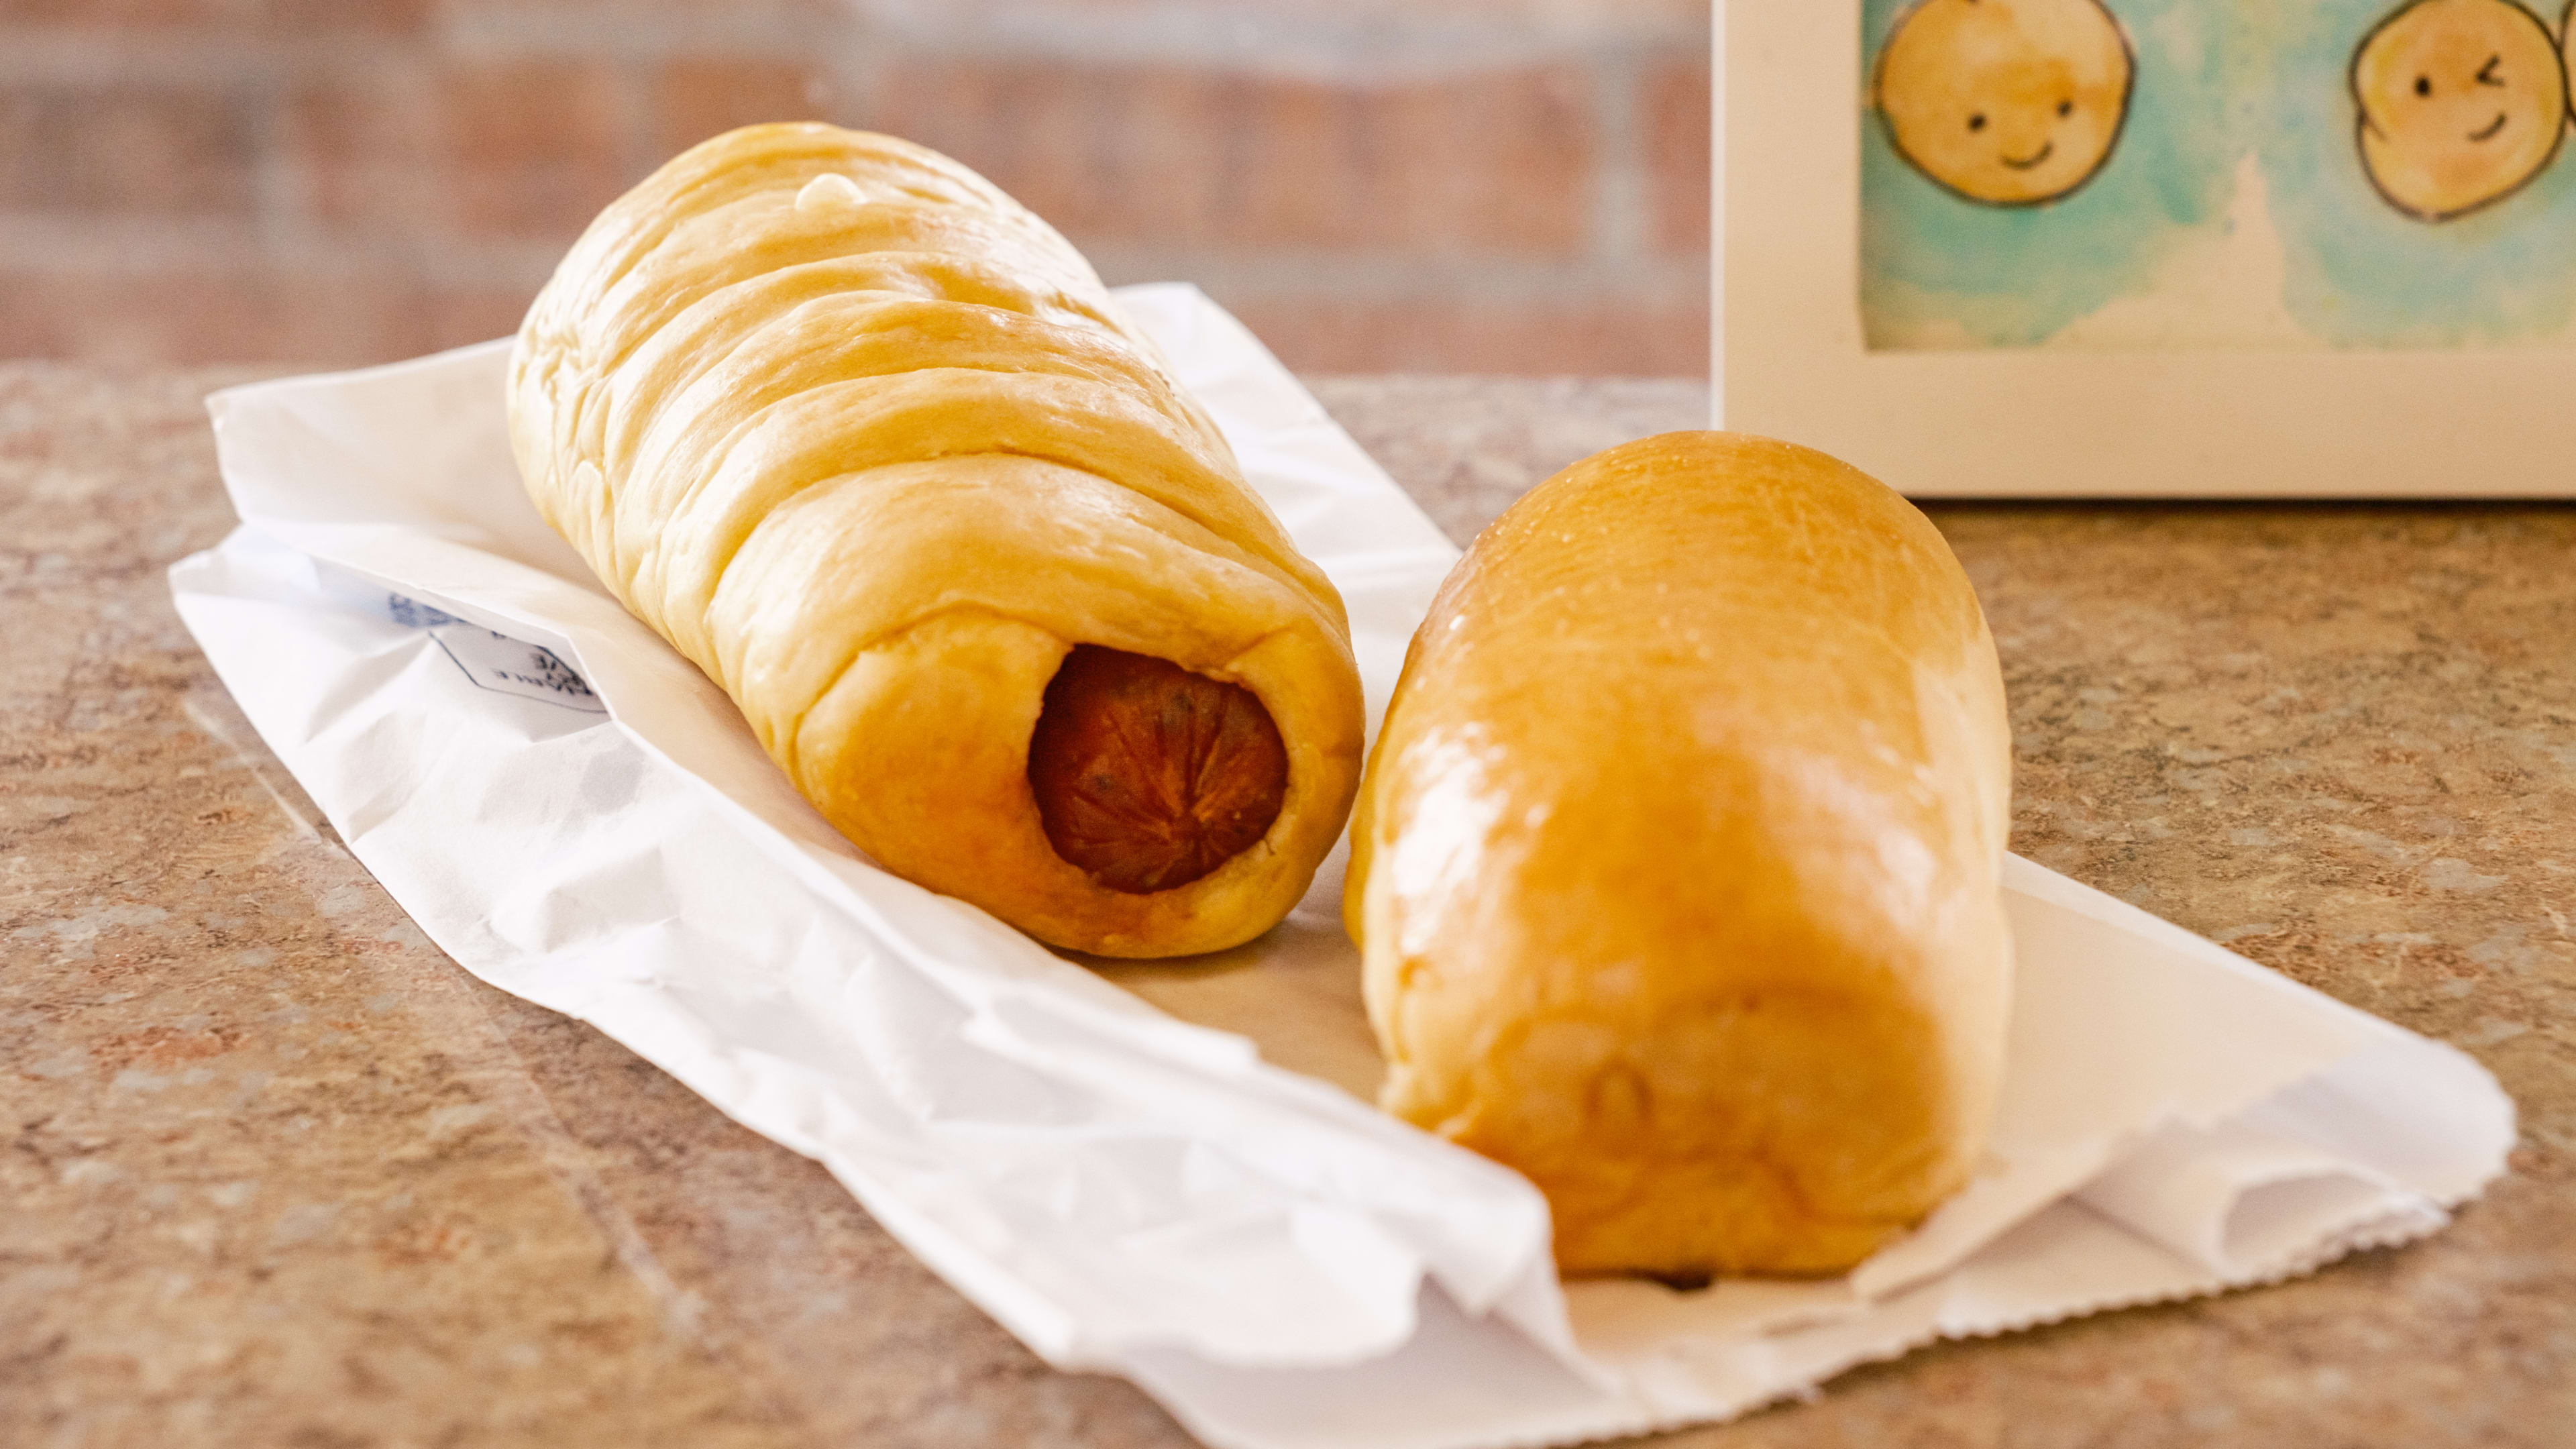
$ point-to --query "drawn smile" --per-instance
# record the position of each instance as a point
(2042, 154)
(2489, 133)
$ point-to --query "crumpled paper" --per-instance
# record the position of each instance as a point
(1168, 1171)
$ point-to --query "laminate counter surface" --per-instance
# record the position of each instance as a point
(277, 1173)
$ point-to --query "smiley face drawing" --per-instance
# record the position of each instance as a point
(2567, 38)
(2460, 102)
(2005, 102)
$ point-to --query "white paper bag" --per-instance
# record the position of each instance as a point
(578, 816)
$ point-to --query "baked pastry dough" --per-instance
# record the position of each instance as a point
(872, 446)
(1675, 868)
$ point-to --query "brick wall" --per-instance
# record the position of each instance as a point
(1442, 185)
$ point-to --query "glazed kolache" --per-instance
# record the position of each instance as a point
(1676, 867)
(871, 445)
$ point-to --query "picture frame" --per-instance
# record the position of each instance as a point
(2178, 399)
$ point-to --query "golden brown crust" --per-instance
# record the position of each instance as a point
(1675, 868)
(870, 444)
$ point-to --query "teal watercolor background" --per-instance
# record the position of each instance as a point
(2216, 79)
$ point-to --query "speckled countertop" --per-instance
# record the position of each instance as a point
(278, 1174)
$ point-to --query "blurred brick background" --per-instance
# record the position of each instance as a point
(1502, 186)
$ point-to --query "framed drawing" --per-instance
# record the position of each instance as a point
(2144, 248)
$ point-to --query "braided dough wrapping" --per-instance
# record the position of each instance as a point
(1676, 869)
(871, 445)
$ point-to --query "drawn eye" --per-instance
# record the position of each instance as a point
(1977, 122)
(2066, 108)
(2486, 72)
(2423, 85)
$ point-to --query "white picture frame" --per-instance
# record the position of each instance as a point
(1789, 357)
